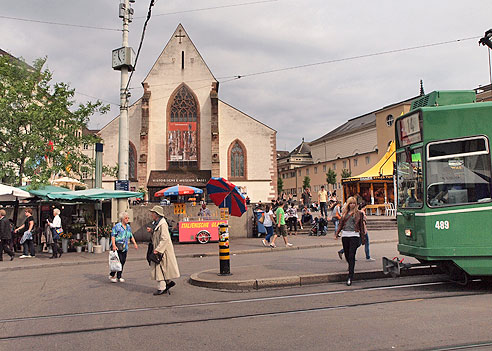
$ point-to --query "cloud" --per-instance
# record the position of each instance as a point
(306, 102)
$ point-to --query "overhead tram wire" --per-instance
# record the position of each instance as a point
(94, 97)
(59, 23)
(355, 57)
(149, 14)
(214, 8)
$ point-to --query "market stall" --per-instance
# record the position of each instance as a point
(375, 186)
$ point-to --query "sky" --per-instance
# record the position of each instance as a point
(243, 37)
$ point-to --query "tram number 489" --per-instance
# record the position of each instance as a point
(440, 225)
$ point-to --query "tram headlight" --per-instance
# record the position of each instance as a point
(408, 232)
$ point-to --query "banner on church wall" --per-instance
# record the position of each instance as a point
(182, 141)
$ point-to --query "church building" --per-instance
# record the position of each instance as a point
(182, 133)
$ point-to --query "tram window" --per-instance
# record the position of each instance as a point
(462, 147)
(410, 180)
(461, 178)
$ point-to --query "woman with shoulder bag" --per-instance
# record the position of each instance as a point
(120, 236)
(56, 230)
(353, 229)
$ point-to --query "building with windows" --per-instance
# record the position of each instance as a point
(182, 133)
(348, 150)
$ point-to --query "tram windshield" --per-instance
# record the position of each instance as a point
(410, 181)
(458, 172)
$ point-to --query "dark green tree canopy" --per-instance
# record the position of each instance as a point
(41, 131)
(346, 173)
(280, 186)
(306, 183)
(331, 177)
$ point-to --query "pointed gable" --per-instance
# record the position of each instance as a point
(180, 58)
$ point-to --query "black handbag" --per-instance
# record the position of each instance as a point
(151, 256)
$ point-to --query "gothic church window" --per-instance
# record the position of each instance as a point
(237, 160)
(184, 108)
(182, 129)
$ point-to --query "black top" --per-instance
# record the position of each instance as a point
(26, 223)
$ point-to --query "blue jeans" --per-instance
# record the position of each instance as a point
(366, 247)
(336, 222)
(323, 207)
(269, 233)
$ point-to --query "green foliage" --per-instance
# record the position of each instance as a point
(331, 177)
(346, 173)
(306, 183)
(280, 186)
(41, 128)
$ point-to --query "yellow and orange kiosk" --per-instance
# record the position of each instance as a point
(375, 185)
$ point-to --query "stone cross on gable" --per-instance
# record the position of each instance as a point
(180, 36)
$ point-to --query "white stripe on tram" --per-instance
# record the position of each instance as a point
(426, 214)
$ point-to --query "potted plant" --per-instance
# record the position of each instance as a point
(78, 245)
(65, 236)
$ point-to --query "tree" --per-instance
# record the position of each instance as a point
(306, 183)
(331, 177)
(280, 186)
(346, 173)
(40, 128)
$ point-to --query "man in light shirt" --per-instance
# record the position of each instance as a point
(322, 198)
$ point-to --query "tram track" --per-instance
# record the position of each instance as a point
(237, 316)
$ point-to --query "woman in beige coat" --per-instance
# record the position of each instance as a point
(167, 269)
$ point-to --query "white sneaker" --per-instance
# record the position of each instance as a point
(272, 245)
(113, 280)
(288, 245)
(24, 256)
(370, 259)
(122, 280)
(264, 242)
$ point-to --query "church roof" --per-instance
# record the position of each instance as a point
(177, 34)
(254, 119)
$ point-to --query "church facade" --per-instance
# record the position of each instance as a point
(182, 133)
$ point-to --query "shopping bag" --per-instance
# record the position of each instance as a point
(114, 262)
(26, 236)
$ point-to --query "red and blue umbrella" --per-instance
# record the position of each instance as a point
(225, 194)
(178, 190)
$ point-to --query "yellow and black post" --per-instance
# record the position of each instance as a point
(224, 253)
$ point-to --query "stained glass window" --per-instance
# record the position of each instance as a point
(237, 161)
(184, 107)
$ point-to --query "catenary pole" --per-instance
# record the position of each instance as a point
(123, 121)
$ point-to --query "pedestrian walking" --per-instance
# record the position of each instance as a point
(5, 236)
(120, 236)
(56, 229)
(322, 198)
(268, 223)
(351, 226)
(167, 268)
(281, 226)
(362, 208)
(28, 226)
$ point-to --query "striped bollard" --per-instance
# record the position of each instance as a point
(224, 253)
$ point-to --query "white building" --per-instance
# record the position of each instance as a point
(182, 133)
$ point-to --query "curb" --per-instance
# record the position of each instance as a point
(190, 255)
(268, 249)
(298, 280)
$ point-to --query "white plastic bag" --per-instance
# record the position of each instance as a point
(114, 262)
(26, 236)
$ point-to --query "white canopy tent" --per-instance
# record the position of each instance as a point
(10, 193)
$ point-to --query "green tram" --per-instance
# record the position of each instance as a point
(444, 185)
